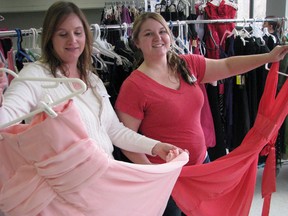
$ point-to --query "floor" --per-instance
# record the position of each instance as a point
(279, 200)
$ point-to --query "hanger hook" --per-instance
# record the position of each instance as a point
(96, 31)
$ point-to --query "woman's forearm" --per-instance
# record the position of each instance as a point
(217, 69)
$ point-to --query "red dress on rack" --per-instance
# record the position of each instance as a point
(216, 31)
(226, 185)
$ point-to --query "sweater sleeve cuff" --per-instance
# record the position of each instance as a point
(149, 144)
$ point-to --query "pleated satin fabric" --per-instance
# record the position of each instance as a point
(51, 167)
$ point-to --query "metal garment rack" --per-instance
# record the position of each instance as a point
(28, 32)
(183, 22)
(13, 33)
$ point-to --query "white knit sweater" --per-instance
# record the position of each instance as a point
(97, 113)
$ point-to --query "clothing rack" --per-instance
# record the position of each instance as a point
(130, 2)
(13, 33)
(183, 22)
(138, 4)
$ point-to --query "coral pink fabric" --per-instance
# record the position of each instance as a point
(226, 186)
(50, 167)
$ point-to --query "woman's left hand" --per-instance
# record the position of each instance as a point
(278, 53)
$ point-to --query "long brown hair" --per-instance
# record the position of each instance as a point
(55, 15)
(174, 61)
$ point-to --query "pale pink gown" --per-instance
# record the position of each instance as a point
(51, 167)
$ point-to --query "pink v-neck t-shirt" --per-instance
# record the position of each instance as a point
(168, 115)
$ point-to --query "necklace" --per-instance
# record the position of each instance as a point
(173, 77)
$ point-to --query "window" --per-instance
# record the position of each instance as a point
(259, 10)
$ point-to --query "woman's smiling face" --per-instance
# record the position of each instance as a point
(153, 39)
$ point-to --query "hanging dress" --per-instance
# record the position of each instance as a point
(51, 167)
(226, 186)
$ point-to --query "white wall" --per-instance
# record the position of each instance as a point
(34, 19)
(41, 5)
